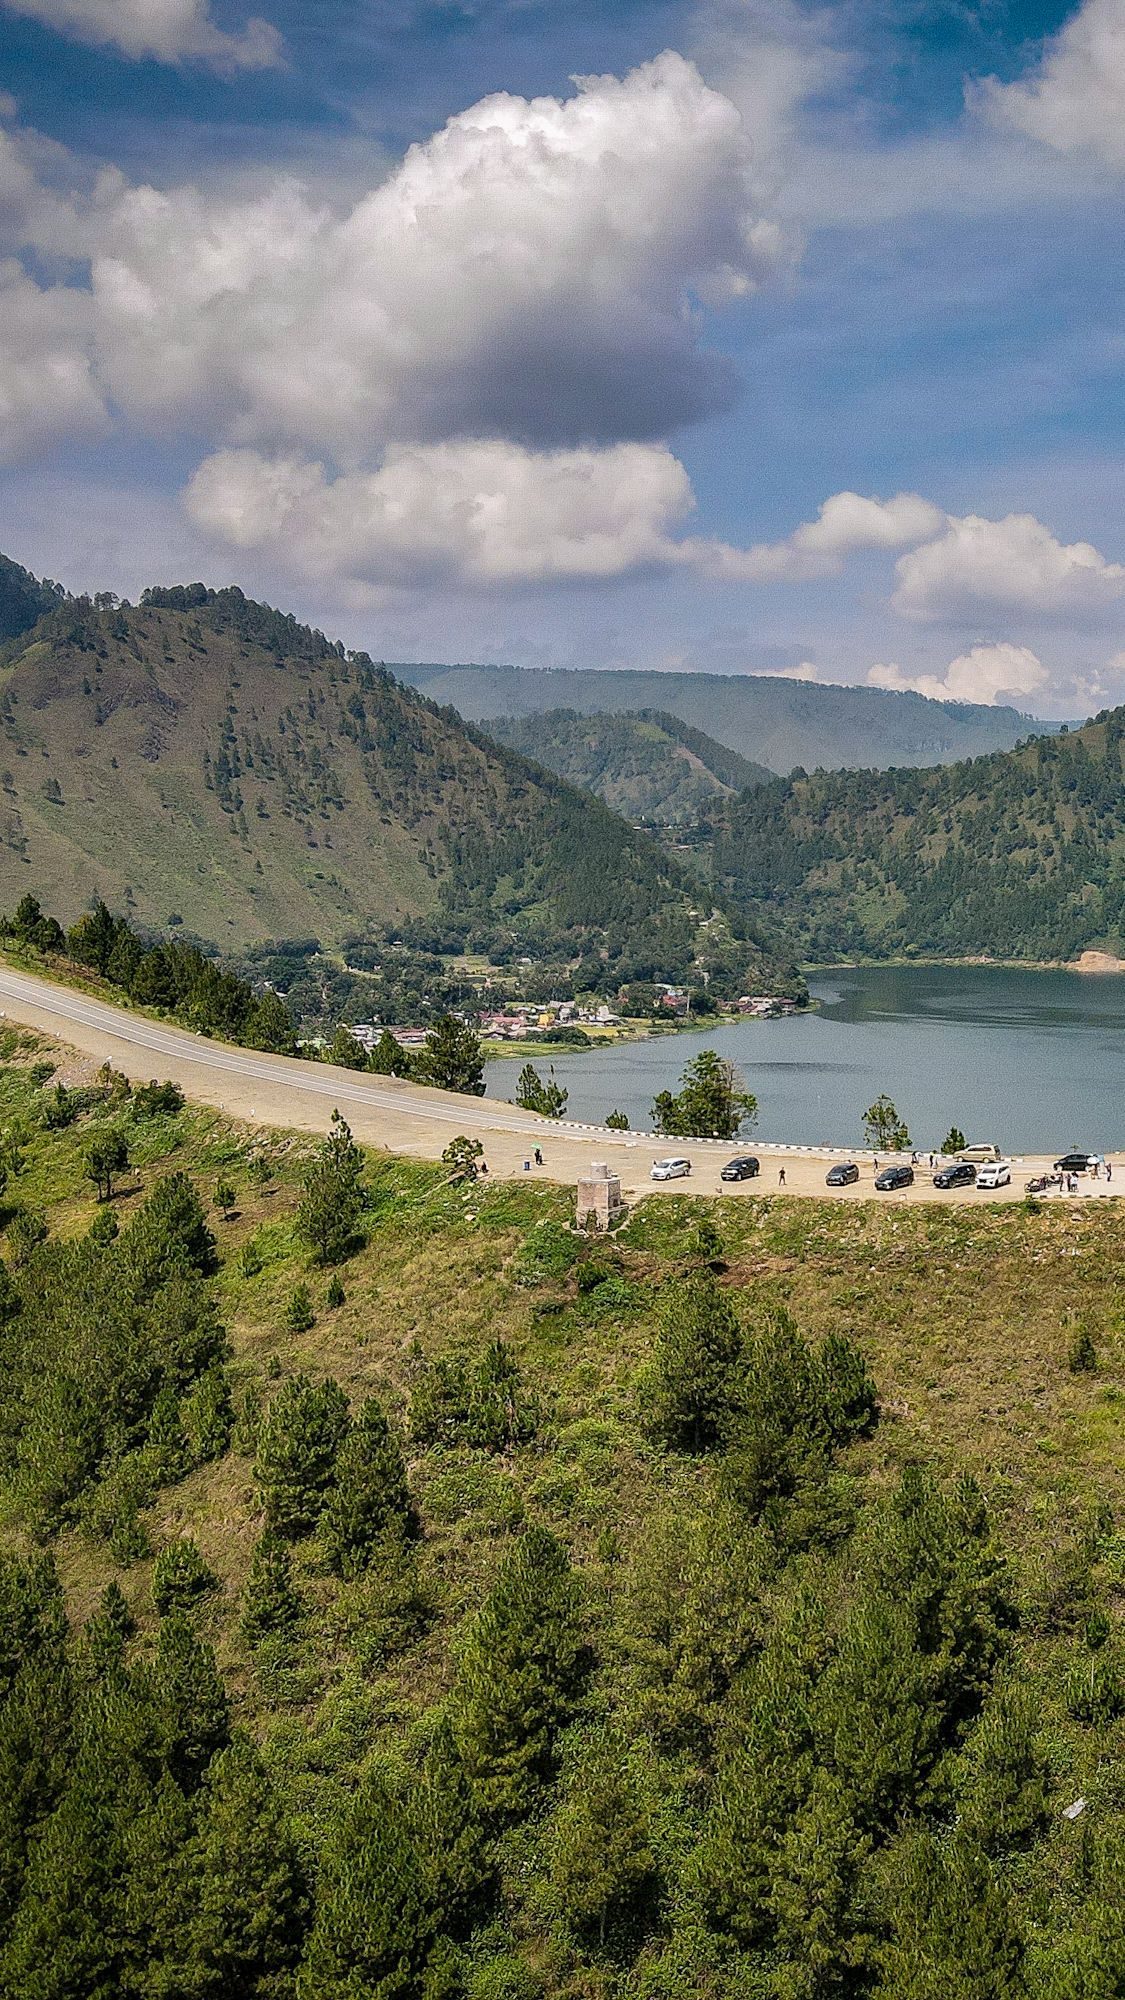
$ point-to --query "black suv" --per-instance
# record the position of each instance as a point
(894, 1177)
(958, 1174)
(842, 1175)
(744, 1168)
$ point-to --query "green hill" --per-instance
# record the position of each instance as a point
(203, 760)
(775, 722)
(727, 1609)
(1020, 855)
(649, 767)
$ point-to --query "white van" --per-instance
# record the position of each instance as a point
(979, 1155)
(672, 1169)
(995, 1174)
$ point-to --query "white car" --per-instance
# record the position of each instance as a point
(994, 1174)
(670, 1170)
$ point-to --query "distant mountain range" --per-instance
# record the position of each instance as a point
(204, 761)
(778, 723)
(650, 767)
(1018, 855)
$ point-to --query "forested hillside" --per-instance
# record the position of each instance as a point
(404, 1596)
(23, 599)
(772, 721)
(203, 760)
(1020, 854)
(648, 767)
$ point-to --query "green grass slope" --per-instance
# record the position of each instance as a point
(775, 722)
(649, 767)
(204, 758)
(665, 1663)
(1021, 854)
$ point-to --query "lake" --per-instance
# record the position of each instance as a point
(1033, 1060)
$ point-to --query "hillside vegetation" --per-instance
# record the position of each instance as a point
(1021, 855)
(772, 721)
(648, 767)
(449, 1605)
(203, 760)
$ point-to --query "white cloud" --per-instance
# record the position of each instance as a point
(991, 675)
(1074, 100)
(494, 512)
(529, 270)
(978, 568)
(47, 390)
(170, 30)
(480, 512)
(847, 524)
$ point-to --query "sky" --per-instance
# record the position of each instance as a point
(727, 335)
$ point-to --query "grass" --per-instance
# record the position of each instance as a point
(966, 1317)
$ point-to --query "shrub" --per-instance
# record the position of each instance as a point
(180, 1577)
(1082, 1358)
(299, 1315)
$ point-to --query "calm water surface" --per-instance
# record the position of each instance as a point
(1034, 1060)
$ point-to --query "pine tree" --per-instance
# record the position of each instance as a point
(375, 1924)
(370, 1497)
(180, 1577)
(252, 1902)
(191, 1712)
(332, 1198)
(519, 1674)
(271, 1604)
(452, 1058)
(444, 1823)
(691, 1390)
(602, 1865)
(296, 1455)
(345, 1051)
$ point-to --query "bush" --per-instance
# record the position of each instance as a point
(480, 1403)
(180, 1577)
(1082, 1358)
(1094, 1690)
(157, 1100)
(299, 1315)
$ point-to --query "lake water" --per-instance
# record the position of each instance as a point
(1033, 1060)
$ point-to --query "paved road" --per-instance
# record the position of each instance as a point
(405, 1118)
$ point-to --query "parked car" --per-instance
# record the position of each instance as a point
(994, 1174)
(742, 1168)
(672, 1169)
(894, 1177)
(979, 1154)
(959, 1173)
(1073, 1163)
(842, 1175)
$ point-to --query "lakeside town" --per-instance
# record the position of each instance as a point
(530, 1021)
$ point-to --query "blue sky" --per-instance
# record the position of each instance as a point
(791, 339)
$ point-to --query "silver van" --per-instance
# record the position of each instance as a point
(979, 1155)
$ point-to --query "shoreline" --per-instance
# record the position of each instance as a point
(1090, 963)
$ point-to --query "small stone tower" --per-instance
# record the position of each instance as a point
(599, 1198)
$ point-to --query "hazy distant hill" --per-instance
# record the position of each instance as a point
(649, 767)
(779, 723)
(204, 758)
(1020, 854)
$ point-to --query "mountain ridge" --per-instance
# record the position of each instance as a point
(769, 719)
(646, 764)
(200, 759)
(1016, 855)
